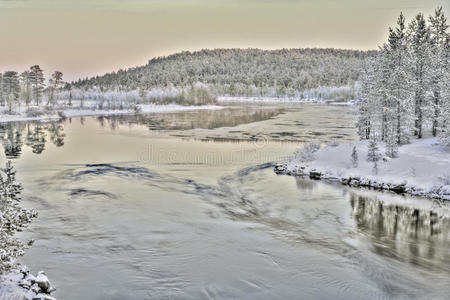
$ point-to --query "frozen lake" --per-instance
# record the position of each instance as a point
(186, 206)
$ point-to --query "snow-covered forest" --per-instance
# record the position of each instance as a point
(191, 78)
(239, 72)
(404, 100)
(405, 87)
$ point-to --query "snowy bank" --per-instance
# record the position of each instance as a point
(20, 284)
(272, 100)
(422, 168)
(92, 111)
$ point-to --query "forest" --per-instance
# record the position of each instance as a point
(405, 87)
(240, 72)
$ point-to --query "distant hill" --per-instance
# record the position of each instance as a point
(239, 71)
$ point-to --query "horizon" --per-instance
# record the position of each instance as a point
(91, 38)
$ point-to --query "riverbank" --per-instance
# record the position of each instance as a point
(91, 110)
(287, 100)
(20, 284)
(422, 167)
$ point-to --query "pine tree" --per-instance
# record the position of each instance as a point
(400, 97)
(439, 36)
(391, 143)
(354, 157)
(37, 82)
(2, 99)
(26, 87)
(55, 84)
(373, 153)
(11, 88)
(70, 98)
(420, 44)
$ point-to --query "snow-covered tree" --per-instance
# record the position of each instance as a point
(11, 88)
(439, 64)
(405, 87)
(354, 158)
(55, 84)
(373, 153)
(37, 82)
(25, 79)
(420, 40)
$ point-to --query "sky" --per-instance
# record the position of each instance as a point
(91, 37)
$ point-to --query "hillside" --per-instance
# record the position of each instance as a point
(240, 71)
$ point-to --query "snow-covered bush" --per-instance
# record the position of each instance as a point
(444, 179)
(13, 218)
(354, 159)
(307, 153)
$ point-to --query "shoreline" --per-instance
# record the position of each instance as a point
(88, 112)
(283, 100)
(357, 182)
(421, 168)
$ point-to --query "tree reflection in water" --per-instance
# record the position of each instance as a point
(36, 134)
(15, 135)
(407, 233)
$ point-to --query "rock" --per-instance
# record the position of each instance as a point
(43, 297)
(400, 189)
(315, 175)
(25, 284)
(24, 270)
(279, 169)
(43, 283)
(354, 182)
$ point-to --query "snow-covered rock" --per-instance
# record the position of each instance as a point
(20, 284)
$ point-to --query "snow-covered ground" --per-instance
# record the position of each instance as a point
(89, 110)
(279, 100)
(20, 284)
(422, 168)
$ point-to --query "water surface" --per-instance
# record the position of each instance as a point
(186, 206)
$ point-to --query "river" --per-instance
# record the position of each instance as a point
(186, 206)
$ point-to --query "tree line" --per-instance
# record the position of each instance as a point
(240, 72)
(29, 87)
(405, 87)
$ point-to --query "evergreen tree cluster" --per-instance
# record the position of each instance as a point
(405, 87)
(28, 87)
(240, 72)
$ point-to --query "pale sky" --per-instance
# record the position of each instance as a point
(90, 37)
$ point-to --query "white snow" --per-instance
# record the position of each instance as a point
(422, 166)
(265, 99)
(88, 110)
(279, 100)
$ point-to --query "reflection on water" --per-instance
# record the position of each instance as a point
(419, 236)
(33, 134)
(204, 119)
(36, 134)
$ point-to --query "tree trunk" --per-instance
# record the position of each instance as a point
(436, 112)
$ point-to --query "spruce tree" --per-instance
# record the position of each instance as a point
(55, 84)
(439, 63)
(37, 82)
(11, 88)
(354, 157)
(373, 153)
(26, 87)
(420, 46)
